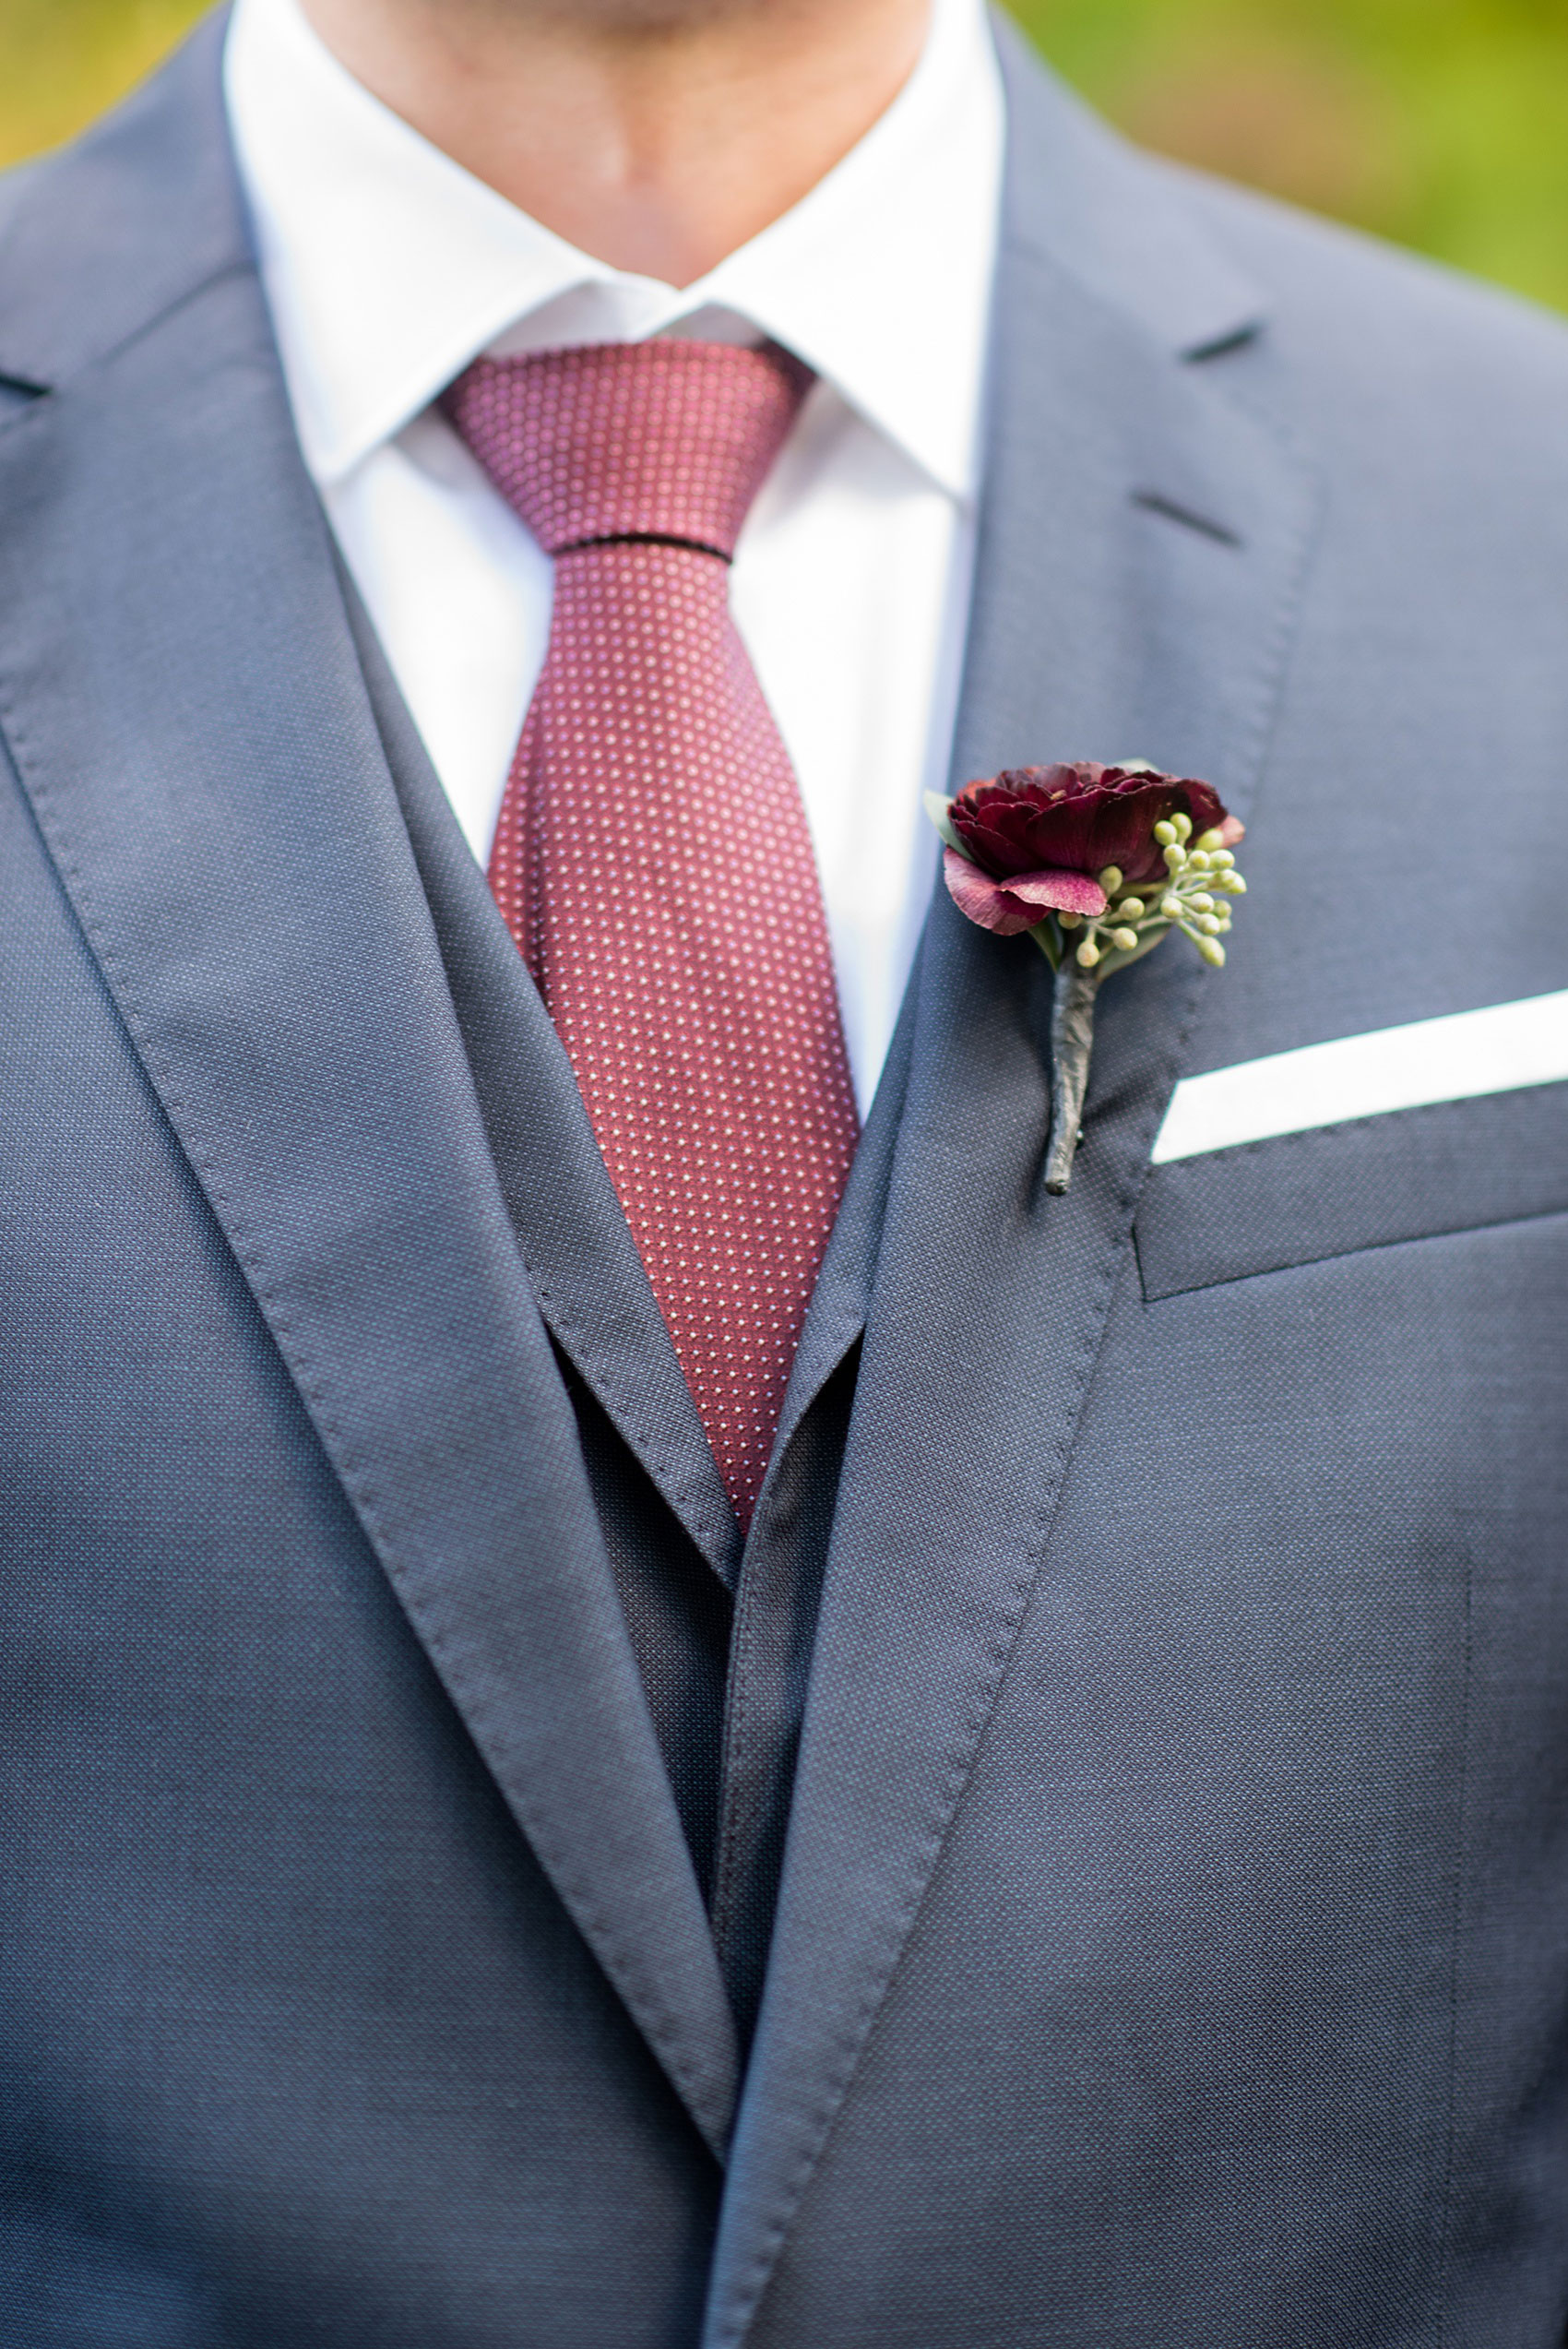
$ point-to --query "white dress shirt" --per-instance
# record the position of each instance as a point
(387, 268)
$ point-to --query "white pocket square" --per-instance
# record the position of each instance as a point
(1497, 1050)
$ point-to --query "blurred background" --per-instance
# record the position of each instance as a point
(1441, 122)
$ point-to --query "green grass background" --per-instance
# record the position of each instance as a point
(1441, 122)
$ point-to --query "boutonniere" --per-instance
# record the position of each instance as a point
(1097, 865)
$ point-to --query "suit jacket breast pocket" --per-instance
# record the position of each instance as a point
(1373, 1182)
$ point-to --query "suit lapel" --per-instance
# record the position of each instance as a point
(180, 694)
(1141, 549)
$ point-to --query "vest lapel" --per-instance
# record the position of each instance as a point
(781, 1572)
(1142, 548)
(180, 694)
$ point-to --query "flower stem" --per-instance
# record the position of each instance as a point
(1072, 1041)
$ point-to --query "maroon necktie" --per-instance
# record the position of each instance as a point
(652, 858)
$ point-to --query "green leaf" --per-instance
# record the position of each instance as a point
(936, 808)
(1048, 937)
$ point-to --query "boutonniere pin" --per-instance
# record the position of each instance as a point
(1097, 865)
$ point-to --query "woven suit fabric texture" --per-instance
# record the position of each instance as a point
(652, 857)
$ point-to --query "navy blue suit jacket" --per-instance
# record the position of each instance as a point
(1170, 1939)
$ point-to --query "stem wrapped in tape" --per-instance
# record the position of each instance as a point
(1072, 1044)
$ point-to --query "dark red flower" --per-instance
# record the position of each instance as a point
(1042, 822)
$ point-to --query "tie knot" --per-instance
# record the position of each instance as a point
(666, 439)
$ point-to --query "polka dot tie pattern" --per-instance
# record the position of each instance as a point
(652, 858)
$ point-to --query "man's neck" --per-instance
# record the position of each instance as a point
(657, 135)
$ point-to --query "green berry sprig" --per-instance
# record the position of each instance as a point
(1201, 876)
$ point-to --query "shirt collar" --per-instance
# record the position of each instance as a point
(388, 267)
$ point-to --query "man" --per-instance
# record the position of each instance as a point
(587, 1763)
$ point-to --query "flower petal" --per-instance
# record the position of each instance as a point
(974, 894)
(1018, 903)
(1057, 892)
